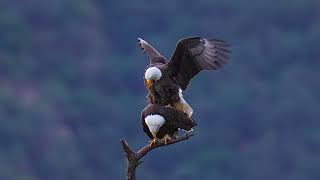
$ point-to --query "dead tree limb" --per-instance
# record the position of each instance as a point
(133, 158)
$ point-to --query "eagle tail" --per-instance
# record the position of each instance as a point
(183, 105)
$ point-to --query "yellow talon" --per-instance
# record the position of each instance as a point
(167, 139)
(154, 141)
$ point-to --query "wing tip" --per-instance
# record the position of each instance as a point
(219, 42)
(141, 43)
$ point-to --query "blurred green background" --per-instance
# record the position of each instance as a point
(71, 86)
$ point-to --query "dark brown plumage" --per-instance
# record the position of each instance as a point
(174, 119)
(191, 56)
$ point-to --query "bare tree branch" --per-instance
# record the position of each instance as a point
(133, 158)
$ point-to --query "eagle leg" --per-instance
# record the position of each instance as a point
(154, 141)
(167, 139)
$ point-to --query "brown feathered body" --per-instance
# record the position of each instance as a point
(174, 119)
(164, 91)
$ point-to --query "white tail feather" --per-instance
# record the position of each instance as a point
(183, 105)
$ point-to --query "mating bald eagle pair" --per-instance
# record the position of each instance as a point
(168, 110)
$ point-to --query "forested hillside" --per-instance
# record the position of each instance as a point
(71, 85)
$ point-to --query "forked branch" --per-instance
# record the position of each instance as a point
(133, 158)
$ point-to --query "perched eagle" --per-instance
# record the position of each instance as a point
(163, 122)
(165, 80)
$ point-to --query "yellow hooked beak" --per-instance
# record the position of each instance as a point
(154, 134)
(149, 83)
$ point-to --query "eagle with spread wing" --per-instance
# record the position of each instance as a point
(165, 80)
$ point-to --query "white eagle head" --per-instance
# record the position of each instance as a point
(154, 122)
(151, 75)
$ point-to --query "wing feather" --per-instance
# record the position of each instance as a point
(154, 55)
(176, 118)
(193, 55)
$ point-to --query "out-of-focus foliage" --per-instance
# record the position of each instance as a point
(71, 86)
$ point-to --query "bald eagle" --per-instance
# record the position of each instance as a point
(165, 80)
(163, 122)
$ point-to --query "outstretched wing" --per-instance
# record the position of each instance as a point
(154, 55)
(193, 55)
